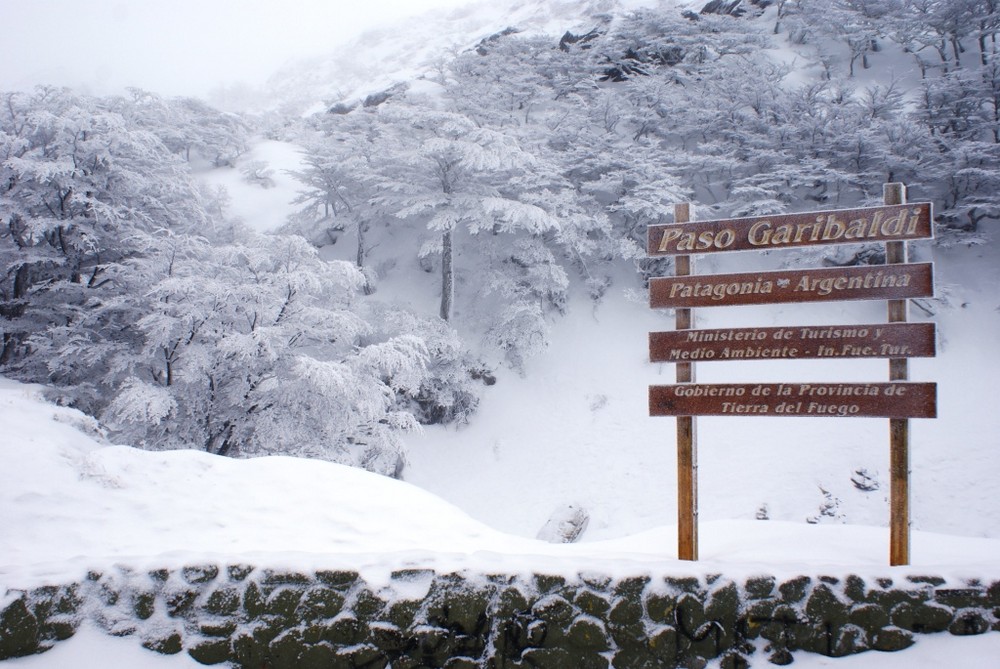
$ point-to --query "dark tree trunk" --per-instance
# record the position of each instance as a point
(447, 275)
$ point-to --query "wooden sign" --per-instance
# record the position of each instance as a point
(883, 400)
(886, 340)
(870, 282)
(893, 224)
(846, 226)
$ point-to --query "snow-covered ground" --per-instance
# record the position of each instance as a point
(73, 502)
(574, 429)
(262, 207)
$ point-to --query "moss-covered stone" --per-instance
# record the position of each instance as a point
(402, 613)
(555, 610)
(58, 629)
(795, 589)
(547, 583)
(281, 577)
(210, 651)
(591, 603)
(253, 600)
(724, 605)
(320, 602)
(889, 599)
(631, 588)
(224, 628)
(968, 622)
(929, 580)
(461, 610)
(595, 580)
(199, 574)
(158, 575)
(661, 608)
(622, 630)
(588, 635)
(338, 580)
(734, 659)
(346, 630)
(920, 617)
(960, 598)
(869, 616)
(108, 594)
(846, 640)
(238, 573)
(658, 649)
(891, 639)
(560, 658)
(224, 601)
(249, 649)
(18, 630)
(536, 634)
(434, 645)
(284, 650)
(825, 606)
(144, 604)
(698, 636)
(407, 662)
(167, 644)
(759, 587)
(284, 601)
(318, 656)
(364, 656)
(367, 605)
(780, 626)
(509, 602)
(781, 657)
(664, 645)
(855, 588)
(54, 600)
(180, 601)
(68, 602)
(992, 595)
(411, 575)
(682, 584)
(389, 638)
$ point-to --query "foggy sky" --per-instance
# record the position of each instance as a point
(176, 47)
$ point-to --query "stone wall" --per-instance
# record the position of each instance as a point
(245, 616)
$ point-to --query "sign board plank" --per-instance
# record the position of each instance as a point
(903, 222)
(883, 400)
(887, 340)
(869, 282)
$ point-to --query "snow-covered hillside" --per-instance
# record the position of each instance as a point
(415, 49)
(574, 427)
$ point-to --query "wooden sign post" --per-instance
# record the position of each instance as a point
(899, 428)
(687, 439)
(896, 281)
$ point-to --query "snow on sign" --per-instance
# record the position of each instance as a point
(848, 226)
(896, 281)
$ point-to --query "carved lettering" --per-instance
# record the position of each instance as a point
(804, 285)
(888, 400)
(887, 223)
